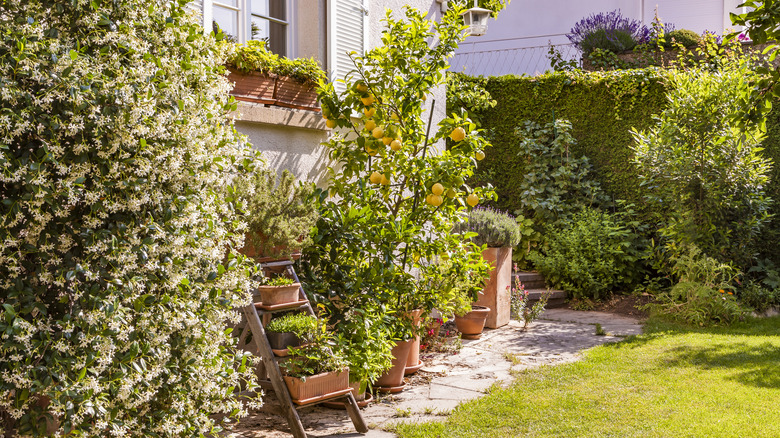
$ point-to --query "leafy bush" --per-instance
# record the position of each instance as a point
(279, 211)
(254, 56)
(684, 37)
(299, 323)
(118, 270)
(705, 176)
(493, 228)
(555, 184)
(608, 31)
(590, 255)
(703, 295)
(758, 297)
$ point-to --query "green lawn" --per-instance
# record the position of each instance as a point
(669, 382)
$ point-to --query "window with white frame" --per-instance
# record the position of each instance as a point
(266, 20)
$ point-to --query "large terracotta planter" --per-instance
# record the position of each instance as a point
(293, 94)
(496, 295)
(393, 379)
(253, 86)
(317, 387)
(413, 362)
(274, 295)
(471, 324)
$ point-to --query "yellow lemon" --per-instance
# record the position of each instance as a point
(451, 193)
(330, 123)
(368, 100)
(480, 155)
(395, 145)
(371, 151)
(435, 200)
(361, 87)
(378, 132)
(375, 178)
(369, 112)
(437, 189)
(472, 200)
(385, 180)
(458, 134)
(387, 140)
(370, 124)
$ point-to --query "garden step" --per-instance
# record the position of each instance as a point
(530, 280)
(557, 297)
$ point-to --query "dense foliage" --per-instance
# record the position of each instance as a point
(117, 273)
(254, 56)
(591, 255)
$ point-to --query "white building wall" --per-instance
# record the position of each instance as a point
(517, 42)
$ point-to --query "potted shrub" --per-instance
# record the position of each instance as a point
(276, 291)
(499, 232)
(315, 371)
(289, 330)
(264, 77)
(278, 213)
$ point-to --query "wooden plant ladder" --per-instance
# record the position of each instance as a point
(270, 375)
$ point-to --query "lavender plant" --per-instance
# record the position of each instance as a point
(494, 228)
(608, 31)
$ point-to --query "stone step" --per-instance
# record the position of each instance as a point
(557, 297)
(530, 280)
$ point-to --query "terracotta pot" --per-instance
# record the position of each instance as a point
(413, 359)
(496, 295)
(253, 86)
(293, 94)
(272, 295)
(316, 387)
(472, 323)
(394, 377)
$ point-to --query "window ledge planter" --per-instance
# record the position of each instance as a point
(318, 387)
(270, 89)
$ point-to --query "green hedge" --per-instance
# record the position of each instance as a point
(602, 107)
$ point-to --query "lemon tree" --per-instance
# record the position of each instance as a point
(395, 192)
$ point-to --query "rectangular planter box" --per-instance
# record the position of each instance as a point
(253, 86)
(496, 295)
(293, 94)
(317, 387)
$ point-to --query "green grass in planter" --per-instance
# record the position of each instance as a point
(672, 381)
(298, 323)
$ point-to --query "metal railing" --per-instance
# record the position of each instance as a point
(530, 61)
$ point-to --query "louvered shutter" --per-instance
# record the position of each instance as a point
(346, 33)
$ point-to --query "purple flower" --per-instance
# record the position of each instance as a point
(609, 31)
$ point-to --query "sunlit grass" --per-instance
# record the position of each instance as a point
(670, 382)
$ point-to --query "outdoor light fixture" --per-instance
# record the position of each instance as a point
(476, 20)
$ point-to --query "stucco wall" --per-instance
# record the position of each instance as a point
(290, 139)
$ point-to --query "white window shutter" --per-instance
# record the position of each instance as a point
(346, 33)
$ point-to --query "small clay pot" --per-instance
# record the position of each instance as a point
(472, 323)
(394, 377)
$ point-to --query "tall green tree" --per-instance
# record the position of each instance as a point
(117, 273)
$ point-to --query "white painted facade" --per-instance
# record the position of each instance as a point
(517, 41)
(325, 30)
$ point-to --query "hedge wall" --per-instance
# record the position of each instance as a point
(602, 107)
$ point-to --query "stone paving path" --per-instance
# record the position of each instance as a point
(557, 337)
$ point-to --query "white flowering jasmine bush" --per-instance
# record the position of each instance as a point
(117, 269)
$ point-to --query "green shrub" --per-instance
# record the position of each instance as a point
(494, 228)
(590, 255)
(758, 297)
(299, 323)
(254, 56)
(118, 270)
(684, 37)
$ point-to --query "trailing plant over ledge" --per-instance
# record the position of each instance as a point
(254, 56)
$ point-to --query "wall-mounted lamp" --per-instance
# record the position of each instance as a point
(476, 19)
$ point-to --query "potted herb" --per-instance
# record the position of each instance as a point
(315, 371)
(264, 77)
(276, 290)
(278, 213)
(290, 330)
(499, 232)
